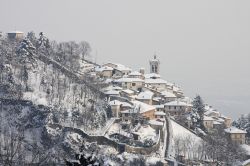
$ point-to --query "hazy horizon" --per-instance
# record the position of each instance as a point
(203, 46)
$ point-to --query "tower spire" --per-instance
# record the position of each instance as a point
(154, 65)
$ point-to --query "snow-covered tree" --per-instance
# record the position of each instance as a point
(198, 110)
(221, 150)
(243, 123)
(85, 49)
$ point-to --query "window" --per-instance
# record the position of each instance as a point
(175, 107)
(133, 84)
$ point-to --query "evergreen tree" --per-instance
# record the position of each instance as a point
(199, 109)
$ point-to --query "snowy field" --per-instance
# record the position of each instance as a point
(181, 132)
(184, 142)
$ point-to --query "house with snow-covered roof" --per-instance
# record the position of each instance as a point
(227, 120)
(158, 83)
(118, 106)
(208, 122)
(15, 35)
(112, 93)
(160, 115)
(119, 69)
(145, 97)
(176, 108)
(130, 83)
(136, 74)
(127, 93)
(145, 110)
(168, 96)
(236, 135)
(104, 71)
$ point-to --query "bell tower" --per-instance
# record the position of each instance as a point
(154, 65)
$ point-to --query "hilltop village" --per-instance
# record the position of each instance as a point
(146, 105)
(60, 106)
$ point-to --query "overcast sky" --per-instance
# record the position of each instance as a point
(203, 46)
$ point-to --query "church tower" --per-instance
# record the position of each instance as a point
(154, 65)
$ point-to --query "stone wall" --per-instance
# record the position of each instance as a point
(144, 150)
(102, 140)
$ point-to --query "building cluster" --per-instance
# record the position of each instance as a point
(135, 92)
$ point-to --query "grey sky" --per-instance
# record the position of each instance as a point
(203, 45)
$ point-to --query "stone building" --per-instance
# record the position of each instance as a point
(177, 108)
(15, 35)
(236, 135)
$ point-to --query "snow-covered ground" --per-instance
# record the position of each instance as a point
(181, 132)
(246, 148)
(147, 132)
(184, 142)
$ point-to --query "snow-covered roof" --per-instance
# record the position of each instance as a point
(146, 132)
(170, 84)
(209, 112)
(217, 123)
(128, 91)
(168, 94)
(186, 99)
(15, 32)
(135, 73)
(143, 106)
(234, 130)
(155, 122)
(207, 118)
(112, 92)
(220, 120)
(177, 89)
(108, 81)
(118, 66)
(224, 117)
(155, 81)
(160, 113)
(129, 80)
(145, 95)
(125, 104)
(177, 103)
(152, 75)
(112, 88)
(158, 106)
(118, 103)
(121, 67)
(157, 98)
(104, 68)
(115, 103)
